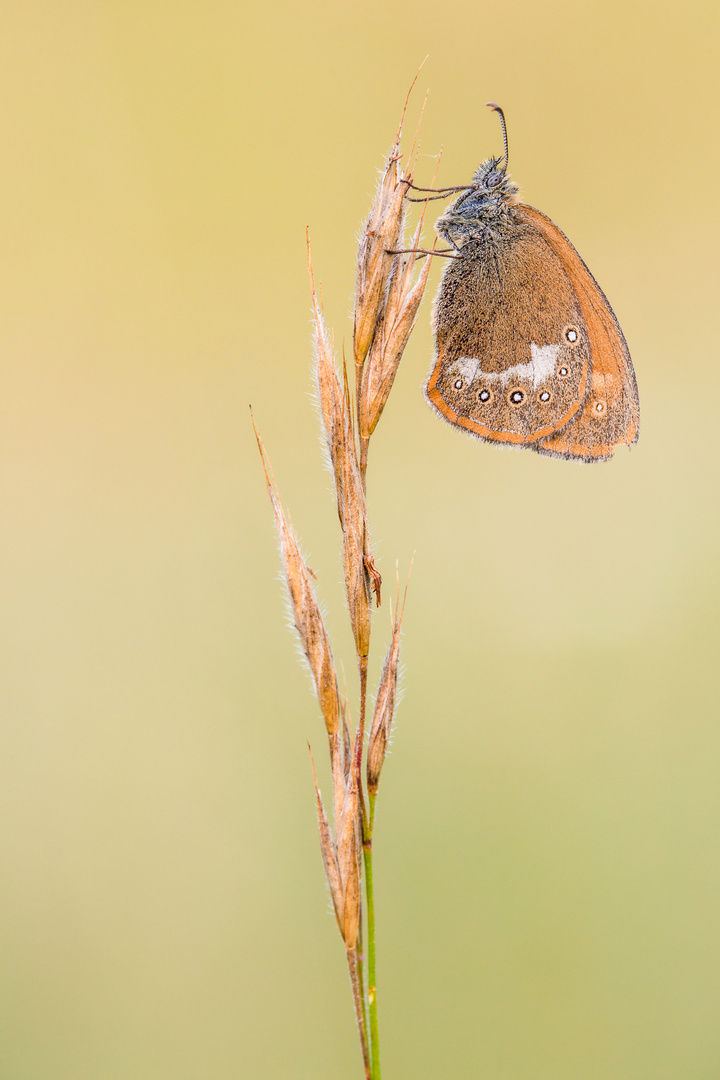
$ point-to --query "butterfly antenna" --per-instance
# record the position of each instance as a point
(497, 109)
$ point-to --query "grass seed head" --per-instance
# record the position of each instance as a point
(349, 850)
(384, 708)
(341, 859)
(307, 615)
(328, 851)
(375, 264)
(391, 336)
(337, 420)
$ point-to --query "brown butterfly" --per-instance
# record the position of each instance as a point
(529, 351)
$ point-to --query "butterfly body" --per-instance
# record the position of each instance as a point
(529, 352)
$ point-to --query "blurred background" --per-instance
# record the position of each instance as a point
(547, 839)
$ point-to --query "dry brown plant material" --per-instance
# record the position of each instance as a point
(305, 608)
(392, 333)
(374, 265)
(384, 712)
(342, 860)
(386, 305)
(337, 420)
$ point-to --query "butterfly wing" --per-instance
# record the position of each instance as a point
(610, 415)
(513, 354)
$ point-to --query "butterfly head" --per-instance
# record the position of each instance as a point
(492, 181)
(482, 205)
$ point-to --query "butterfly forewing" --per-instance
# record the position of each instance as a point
(513, 355)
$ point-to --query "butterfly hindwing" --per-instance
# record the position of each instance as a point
(610, 414)
(513, 357)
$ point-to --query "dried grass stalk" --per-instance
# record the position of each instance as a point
(342, 862)
(306, 611)
(386, 306)
(390, 338)
(375, 263)
(385, 702)
(340, 438)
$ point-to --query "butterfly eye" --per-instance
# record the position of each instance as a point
(516, 397)
(599, 408)
(545, 396)
(458, 384)
(571, 335)
(484, 396)
(563, 372)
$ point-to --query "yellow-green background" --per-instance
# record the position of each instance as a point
(547, 843)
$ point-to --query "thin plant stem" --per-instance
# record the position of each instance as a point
(357, 992)
(360, 736)
(370, 997)
(371, 975)
(364, 447)
(363, 671)
(358, 392)
(360, 963)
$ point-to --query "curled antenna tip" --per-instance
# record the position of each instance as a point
(496, 108)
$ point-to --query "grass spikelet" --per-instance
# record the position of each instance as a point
(391, 336)
(340, 436)
(384, 712)
(306, 610)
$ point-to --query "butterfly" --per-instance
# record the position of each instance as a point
(528, 350)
